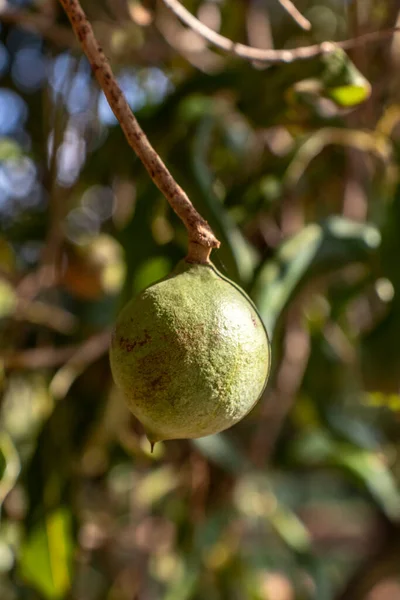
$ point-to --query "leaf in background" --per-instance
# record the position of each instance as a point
(319, 447)
(235, 253)
(221, 451)
(371, 470)
(8, 299)
(8, 258)
(256, 497)
(46, 557)
(185, 586)
(317, 248)
(9, 149)
(26, 406)
(342, 82)
(95, 266)
(150, 271)
(10, 465)
(364, 141)
(290, 529)
(141, 249)
(154, 486)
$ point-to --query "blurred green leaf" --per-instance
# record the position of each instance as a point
(318, 447)
(10, 465)
(8, 299)
(152, 270)
(220, 450)
(372, 471)
(9, 149)
(8, 258)
(46, 557)
(235, 253)
(185, 586)
(155, 486)
(315, 249)
(369, 142)
(342, 82)
(349, 95)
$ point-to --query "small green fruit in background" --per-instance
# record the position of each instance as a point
(94, 267)
(190, 354)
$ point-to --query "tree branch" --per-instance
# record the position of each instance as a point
(201, 237)
(86, 354)
(267, 55)
(295, 14)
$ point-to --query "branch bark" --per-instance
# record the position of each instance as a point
(295, 14)
(267, 55)
(201, 237)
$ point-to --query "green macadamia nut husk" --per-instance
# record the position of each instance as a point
(190, 354)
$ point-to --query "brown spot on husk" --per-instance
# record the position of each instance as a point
(128, 345)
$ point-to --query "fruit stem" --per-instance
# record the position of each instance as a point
(198, 254)
(200, 233)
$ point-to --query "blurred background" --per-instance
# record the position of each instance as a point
(296, 167)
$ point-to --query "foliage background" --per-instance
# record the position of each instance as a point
(299, 501)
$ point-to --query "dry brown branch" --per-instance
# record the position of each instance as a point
(198, 55)
(46, 315)
(38, 312)
(90, 351)
(288, 381)
(76, 357)
(37, 358)
(295, 14)
(267, 55)
(201, 237)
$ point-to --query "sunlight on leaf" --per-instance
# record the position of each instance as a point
(348, 95)
(334, 244)
(46, 555)
(10, 465)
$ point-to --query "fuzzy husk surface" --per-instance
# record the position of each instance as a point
(190, 354)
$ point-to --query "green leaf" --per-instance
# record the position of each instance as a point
(221, 451)
(342, 82)
(155, 485)
(317, 248)
(185, 585)
(9, 149)
(8, 299)
(151, 270)
(46, 556)
(348, 95)
(10, 465)
(371, 470)
(235, 253)
(319, 447)
(290, 529)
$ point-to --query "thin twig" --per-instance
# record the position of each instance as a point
(201, 57)
(295, 14)
(74, 357)
(37, 312)
(37, 358)
(46, 315)
(86, 354)
(267, 55)
(288, 382)
(201, 237)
